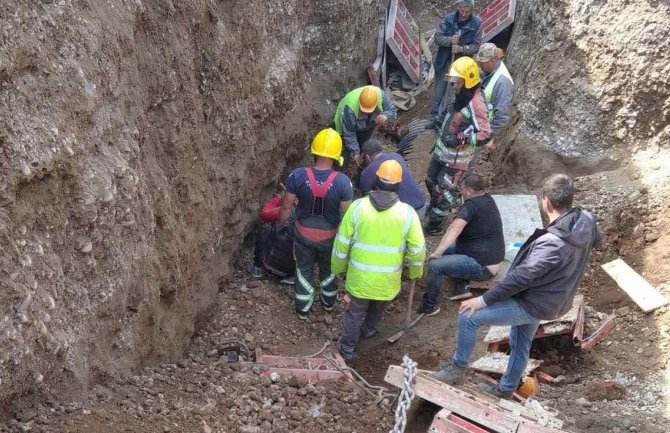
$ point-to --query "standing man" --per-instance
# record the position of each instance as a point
(472, 248)
(408, 192)
(376, 234)
(498, 88)
(540, 285)
(464, 128)
(323, 196)
(356, 117)
(459, 34)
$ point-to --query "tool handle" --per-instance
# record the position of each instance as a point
(410, 300)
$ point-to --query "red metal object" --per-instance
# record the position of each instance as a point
(402, 37)
(308, 369)
(599, 335)
(486, 414)
(447, 422)
(545, 378)
(496, 17)
(575, 329)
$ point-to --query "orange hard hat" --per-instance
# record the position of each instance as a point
(390, 172)
(368, 99)
(529, 388)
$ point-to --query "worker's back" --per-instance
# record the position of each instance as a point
(375, 237)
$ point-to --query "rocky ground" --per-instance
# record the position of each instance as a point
(115, 181)
(203, 393)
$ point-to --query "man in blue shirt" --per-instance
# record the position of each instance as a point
(459, 34)
(323, 196)
(409, 192)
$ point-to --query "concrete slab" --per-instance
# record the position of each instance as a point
(496, 362)
(520, 216)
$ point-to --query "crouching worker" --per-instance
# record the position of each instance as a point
(472, 248)
(274, 244)
(377, 233)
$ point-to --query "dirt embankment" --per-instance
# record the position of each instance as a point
(137, 140)
(589, 85)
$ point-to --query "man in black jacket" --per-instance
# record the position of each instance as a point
(540, 285)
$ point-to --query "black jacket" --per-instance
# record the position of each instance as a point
(547, 270)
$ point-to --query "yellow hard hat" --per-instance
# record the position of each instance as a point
(328, 143)
(368, 99)
(466, 69)
(390, 172)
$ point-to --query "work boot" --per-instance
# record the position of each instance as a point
(432, 228)
(255, 271)
(427, 311)
(302, 316)
(493, 390)
(347, 356)
(459, 291)
(451, 374)
(369, 335)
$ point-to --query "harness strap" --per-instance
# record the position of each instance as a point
(319, 191)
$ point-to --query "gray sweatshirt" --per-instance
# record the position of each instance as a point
(501, 99)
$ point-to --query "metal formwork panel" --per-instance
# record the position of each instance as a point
(402, 37)
(496, 17)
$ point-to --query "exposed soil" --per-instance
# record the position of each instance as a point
(107, 273)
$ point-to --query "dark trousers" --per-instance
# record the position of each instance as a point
(443, 196)
(459, 267)
(361, 319)
(309, 254)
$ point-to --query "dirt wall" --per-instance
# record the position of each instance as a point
(590, 87)
(138, 138)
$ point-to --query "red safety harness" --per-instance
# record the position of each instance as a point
(319, 193)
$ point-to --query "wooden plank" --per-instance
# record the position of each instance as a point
(636, 287)
(464, 405)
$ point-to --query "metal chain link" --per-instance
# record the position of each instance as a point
(406, 394)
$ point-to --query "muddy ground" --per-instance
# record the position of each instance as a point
(201, 393)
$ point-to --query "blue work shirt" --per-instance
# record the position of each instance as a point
(409, 192)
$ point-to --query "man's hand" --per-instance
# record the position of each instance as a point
(357, 159)
(380, 119)
(455, 39)
(346, 300)
(470, 305)
(456, 49)
(491, 145)
(436, 254)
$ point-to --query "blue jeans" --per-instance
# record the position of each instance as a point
(504, 313)
(458, 267)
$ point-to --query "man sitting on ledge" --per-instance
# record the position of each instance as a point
(472, 248)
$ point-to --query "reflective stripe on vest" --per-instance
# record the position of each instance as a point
(488, 90)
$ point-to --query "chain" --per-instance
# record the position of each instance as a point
(406, 394)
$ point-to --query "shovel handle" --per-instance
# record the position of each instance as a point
(410, 300)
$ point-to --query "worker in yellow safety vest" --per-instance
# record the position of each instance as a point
(357, 115)
(498, 89)
(376, 234)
